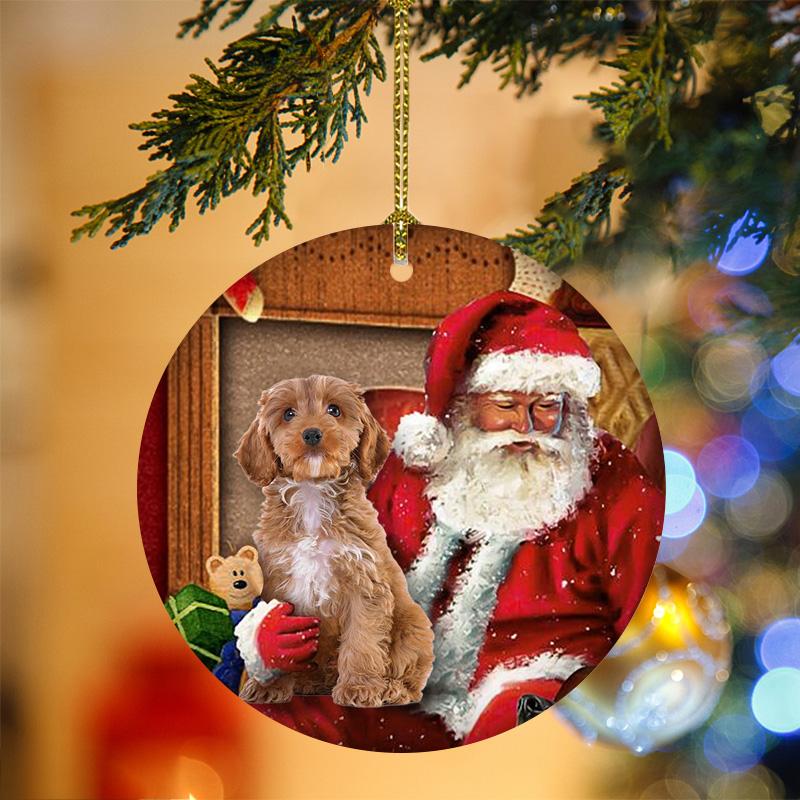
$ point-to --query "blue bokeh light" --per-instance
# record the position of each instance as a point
(680, 480)
(786, 368)
(742, 254)
(734, 743)
(776, 700)
(688, 519)
(728, 466)
(779, 644)
(773, 438)
(770, 405)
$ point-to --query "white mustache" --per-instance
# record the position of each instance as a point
(494, 440)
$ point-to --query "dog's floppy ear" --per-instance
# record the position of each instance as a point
(373, 447)
(256, 455)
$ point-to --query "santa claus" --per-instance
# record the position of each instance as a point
(526, 533)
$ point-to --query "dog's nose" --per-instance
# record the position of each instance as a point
(240, 584)
(312, 436)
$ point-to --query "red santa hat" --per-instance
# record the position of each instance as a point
(502, 342)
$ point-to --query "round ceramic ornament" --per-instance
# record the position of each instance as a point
(401, 516)
(401, 488)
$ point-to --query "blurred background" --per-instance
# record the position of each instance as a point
(100, 697)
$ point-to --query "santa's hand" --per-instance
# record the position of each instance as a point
(286, 642)
(272, 641)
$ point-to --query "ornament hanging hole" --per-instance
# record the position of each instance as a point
(401, 271)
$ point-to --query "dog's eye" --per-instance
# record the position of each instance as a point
(334, 410)
(289, 414)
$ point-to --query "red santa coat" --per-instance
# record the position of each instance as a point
(566, 595)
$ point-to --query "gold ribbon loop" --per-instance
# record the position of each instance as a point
(401, 218)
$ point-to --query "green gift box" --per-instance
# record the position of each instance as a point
(203, 619)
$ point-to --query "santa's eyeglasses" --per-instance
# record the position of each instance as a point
(544, 413)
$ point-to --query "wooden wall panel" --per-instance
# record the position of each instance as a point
(344, 277)
(193, 454)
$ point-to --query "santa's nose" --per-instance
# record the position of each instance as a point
(522, 421)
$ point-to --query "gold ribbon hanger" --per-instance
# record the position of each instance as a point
(401, 218)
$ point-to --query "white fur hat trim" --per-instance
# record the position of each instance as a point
(531, 372)
(247, 645)
(421, 440)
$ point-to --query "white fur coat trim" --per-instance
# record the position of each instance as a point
(247, 642)
(461, 717)
(427, 574)
(460, 632)
(531, 372)
(421, 440)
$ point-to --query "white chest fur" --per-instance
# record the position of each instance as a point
(312, 564)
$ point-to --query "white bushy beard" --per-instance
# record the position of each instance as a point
(486, 489)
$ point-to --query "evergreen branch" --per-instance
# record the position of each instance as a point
(571, 218)
(657, 68)
(305, 81)
(210, 8)
(518, 39)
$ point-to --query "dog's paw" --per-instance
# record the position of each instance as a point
(255, 692)
(367, 694)
(398, 694)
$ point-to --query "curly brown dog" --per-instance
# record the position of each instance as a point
(314, 447)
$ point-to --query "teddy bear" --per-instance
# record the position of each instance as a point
(237, 579)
